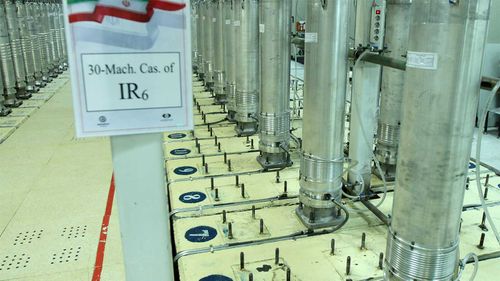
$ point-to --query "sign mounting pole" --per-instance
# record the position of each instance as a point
(130, 64)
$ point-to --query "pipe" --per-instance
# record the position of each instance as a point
(35, 43)
(440, 95)
(274, 116)
(391, 97)
(376, 211)
(6, 62)
(322, 158)
(219, 71)
(247, 64)
(364, 101)
(230, 57)
(16, 50)
(208, 34)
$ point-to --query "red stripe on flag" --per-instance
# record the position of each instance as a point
(101, 246)
(101, 11)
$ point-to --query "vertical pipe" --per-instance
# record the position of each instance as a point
(6, 62)
(200, 33)
(63, 35)
(365, 91)
(219, 71)
(247, 63)
(275, 83)
(230, 57)
(16, 48)
(391, 97)
(32, 24)
(41, 24)
(324, 112)
(440, 92)
(26, 46)
(194, 35)
(48, 31)
(4, 111)
(209, 43)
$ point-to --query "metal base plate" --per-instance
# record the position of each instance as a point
(246, 129)
(319, 222)
(5, 111)
(270, 161)
(23, 94)
(13, 103)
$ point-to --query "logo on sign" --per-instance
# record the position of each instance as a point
(216, 278)
(177, 136)
(185, 170)
(102, 119)
(180, 151)
(200, 234)
(192, 197)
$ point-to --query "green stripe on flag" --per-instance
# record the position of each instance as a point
(71, 2)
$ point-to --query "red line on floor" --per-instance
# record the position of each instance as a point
(99, 259)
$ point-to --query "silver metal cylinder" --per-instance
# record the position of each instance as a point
(16, 49)
(64, 54)
(4, 111)
(219, 72)
(364, 103)
(51, 38)
(27, 46)
(321, 166)
(208, 29)
(247, 67)
(32, 23)
(44, 38)
(442, 79)
(56, 35)
(274, 118)
(194, 34)
(6, 62)
(231, 15)
(200, 39)
(391, 97)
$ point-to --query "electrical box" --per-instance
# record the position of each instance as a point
(377, 28)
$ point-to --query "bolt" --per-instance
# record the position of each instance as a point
(212, 183)
(261, 226)
(243, 190)
(230, 230)
(203, 160)
(199, 148)
(285, 188)
(332, 247)
(363, 241)
(237, 180)
(206, 168)
(224, 216)
(486, 192)
(381, 261)
(251, 144)
(242, 261)
(253, 211)
(250, 276)
(225, 158)
(248, 139)
(288, 274)
(229, 165)
(483, 223)
(467, 183)
(277, 256)
(487, 181)
(481, 241)
(216, 140)
(196, 142)
(217, 194)
(277, 176)
(211, 131)
(348, 266)
(218, 147)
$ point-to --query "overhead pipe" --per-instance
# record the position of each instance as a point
(441, 91)
(219, 71)
(274, 118)
(391, 96)
(321, 166)
(230, 15)
(247, 67)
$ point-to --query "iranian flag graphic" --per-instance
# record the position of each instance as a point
(133, 10)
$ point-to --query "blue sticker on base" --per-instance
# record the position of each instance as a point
(185, 170)
(200, 234)
(216, 278)
(177, 136)
(180, 151)
(472, 165)
(192, 197)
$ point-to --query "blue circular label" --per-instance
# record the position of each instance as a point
(177, 136)
(216, 278)
(472, 165)
(180, 151)
(498, 185)
(185, 170)
(200, 234)
(192, 197)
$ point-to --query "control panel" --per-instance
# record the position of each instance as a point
(377, 28)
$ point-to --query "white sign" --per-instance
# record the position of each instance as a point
(130, 66)
(422, 60)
